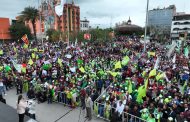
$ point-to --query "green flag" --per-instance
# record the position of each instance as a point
(130, 90)
(79, 62)
(184, 86)
(186, 52)
(1, 52)
(125, 60)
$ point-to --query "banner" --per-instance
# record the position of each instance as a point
(87, 36)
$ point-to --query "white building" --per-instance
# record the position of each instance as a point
(180, 26)
(84, 25)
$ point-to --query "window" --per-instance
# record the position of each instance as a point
(175, 29)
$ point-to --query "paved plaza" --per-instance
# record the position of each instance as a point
(52, 112)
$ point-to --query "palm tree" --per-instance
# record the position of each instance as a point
(30, 14)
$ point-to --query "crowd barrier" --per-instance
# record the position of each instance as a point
(105, 112)
(74, 100)
(126, 117)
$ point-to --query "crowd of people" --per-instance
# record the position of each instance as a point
(152, 84)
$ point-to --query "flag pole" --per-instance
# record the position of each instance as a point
(145, 34)
(68, 21)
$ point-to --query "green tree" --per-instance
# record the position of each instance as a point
(30, 14)
(53, 34)
(17, 30)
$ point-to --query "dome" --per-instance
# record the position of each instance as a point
(128, 28)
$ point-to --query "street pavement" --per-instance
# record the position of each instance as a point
(55, 112)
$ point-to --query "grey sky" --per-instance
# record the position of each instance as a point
(103, 13)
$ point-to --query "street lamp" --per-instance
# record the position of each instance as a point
(145, 34)
(40, 3)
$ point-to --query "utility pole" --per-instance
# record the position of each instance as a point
(145, 34)
(68, 27)
(40, 13)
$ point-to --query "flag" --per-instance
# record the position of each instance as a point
(73, 69)
(7, 68)
(60, 62)
(152, 73)
(151, 54)
(18, 67)
(30, 62)
(79, 62)
(1, 68)
(25, 39)
(141, 91)
(184, 86)
(46, 66)
(186, 52)
(23, 69)
(25, 46)
(82, 69)
(160, 75)
(125, 60)
(35, 49)
(157, 63)
(87, 36)
(171, 49)
(59, 8)
(174, 58)
(130, 90)
(1, 52)
(114, 74)
(33, 55)
(118, 65)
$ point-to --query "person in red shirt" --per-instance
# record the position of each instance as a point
(82, 98)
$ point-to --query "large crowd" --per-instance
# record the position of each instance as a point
(152, 84)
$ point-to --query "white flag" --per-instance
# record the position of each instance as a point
(171, 49)
(157, 63)
(174, 58)
(18, 67)
(59, 8)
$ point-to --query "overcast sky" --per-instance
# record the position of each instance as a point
(103, 13)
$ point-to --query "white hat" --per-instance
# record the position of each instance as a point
(170, 118)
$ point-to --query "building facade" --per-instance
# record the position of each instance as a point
(160, 20)
(180, 26)
(68, 21)
(4, 29)
(84, 25)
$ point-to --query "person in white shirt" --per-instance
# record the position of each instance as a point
(21, 107)
(1, 87)
(31, 105)
(120, 107)
(88, 103)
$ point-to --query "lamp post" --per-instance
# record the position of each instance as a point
(40, 3)
(146, 23)
(68, 27)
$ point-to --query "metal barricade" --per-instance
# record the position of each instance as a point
(101, 111)
(74, 101)
(126, 117)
